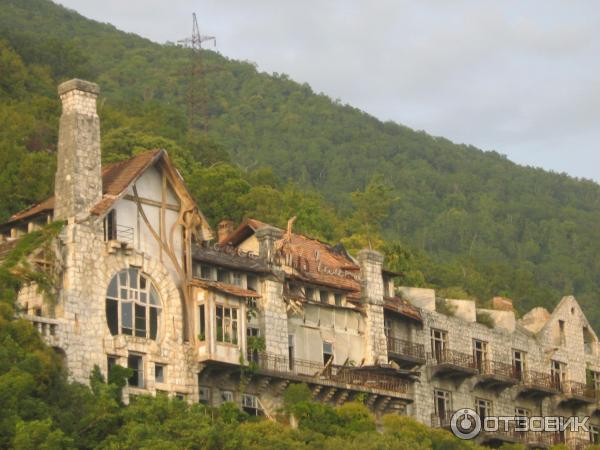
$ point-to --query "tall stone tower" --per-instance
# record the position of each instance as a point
(78, 184)
(370, 263)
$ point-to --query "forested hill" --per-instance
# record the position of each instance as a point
(452, 216)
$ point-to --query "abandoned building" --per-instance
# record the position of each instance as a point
(145, 283)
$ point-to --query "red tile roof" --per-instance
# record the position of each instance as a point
(116, 178)
(314, 261)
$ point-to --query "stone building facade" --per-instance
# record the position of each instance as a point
(143, 282)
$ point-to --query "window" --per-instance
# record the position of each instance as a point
(593, 379)
(387, 327)
(588, 341)
(110, 226)
(386, 287)
(558, 373)
(561, 326)
(338, 298)
(136, 364)
(443, 402)
(222, 275)
(226, 396)
(439, 342)
(291, 351)
(202, 322)
(111, 361)
(227, 324)
(252, 283)
(132, 305)
(327, 352)
(310, 293)
(480, 354)
(159, 373)
(180, 396)
(522, 414)
(594, 434)
(236, 278)
(519, 364)
(205, 272)
(483, 408)
(204, 395)
(253, 354)
(251, 405)
(324, 296)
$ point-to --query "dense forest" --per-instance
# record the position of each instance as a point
(467, 222)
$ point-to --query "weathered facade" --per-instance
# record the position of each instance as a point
(239, 316)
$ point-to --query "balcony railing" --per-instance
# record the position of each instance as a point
(498, 369)
(339, 374)
(580, 390)
(405, 348)
(454, 358)
(540, 381)
(46, 327)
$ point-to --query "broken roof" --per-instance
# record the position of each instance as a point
(312, 261)
(229, 257)
(403, 307)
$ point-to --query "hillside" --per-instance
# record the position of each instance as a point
(453, 217)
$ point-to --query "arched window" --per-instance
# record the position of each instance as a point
(132, 305)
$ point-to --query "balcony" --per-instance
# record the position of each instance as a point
(577, 394)
(341, 376)
(48, 328)
(452, 364)
(497, 375)
(538, 384)
(407, 354)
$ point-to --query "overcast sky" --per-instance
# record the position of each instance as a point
(521, 78)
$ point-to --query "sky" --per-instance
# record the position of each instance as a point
(520, 78)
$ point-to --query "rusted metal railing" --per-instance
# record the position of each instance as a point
(540, 380)
(338, 374)
(498, 369)
(454, 358)
(405, 348)
(577, 389)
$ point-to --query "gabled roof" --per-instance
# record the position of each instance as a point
(116, 179)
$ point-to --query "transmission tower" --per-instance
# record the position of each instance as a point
(197, 90)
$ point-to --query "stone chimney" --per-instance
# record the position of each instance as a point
(78, 184)
(370, 263)
(225, 229)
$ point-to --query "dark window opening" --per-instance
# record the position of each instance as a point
(324, 296)
(291, 351)
(327, 352)
(136, 364)
(202, 322)
(252, 283)
(110, 226)
(159, 373)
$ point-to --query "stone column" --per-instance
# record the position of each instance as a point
(371, 263)
(274, 313)
(78, 183)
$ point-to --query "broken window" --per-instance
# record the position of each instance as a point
(202, 322)
(227, 324)
(327, 352)
(205, 272)
(310, 293)
(253, 352)
(251, 405)
(136, 364)
(110, 226)
(443, 404)
(132, 305)
(204, 395)
(439, 342)
(480, 354)
(558, 371)
(159, 373)
(338, 299)
(222, 275)
(237, 278)
(226, 396)
(291, 351)
(324, 296)
(252, 283)
(588, 341)
(483, 408)
(519, 364)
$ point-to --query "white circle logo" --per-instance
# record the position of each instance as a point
(465, 423)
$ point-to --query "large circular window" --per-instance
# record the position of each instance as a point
(132, 305)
